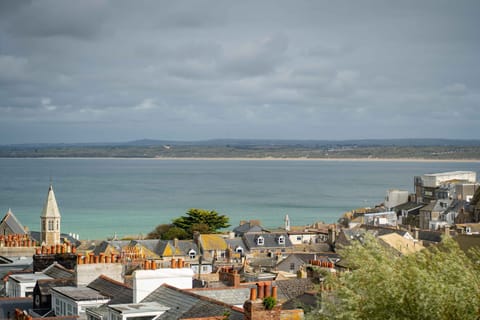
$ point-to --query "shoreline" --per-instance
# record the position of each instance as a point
(259, 159)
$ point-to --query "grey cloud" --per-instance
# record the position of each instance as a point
(237, 69)
(77, 19)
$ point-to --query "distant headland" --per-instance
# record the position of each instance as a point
(239, 149)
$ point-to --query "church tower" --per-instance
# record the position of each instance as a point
(50, 220)
(287, 223)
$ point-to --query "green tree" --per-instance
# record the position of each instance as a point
(167, 232)
(201, 220)
(435, 283)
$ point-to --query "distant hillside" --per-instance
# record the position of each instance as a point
(442, 149)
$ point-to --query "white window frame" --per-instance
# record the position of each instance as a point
(260, 241)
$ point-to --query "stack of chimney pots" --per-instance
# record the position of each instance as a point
(91, 258)
(56, 249)
(324, 264)
(16, 240)
(263, 290)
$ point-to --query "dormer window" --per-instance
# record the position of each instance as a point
(192, 254)
(239, 250)
(281, 239)
(260, 241)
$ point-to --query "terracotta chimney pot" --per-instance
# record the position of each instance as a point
(274, 292)
(253, 294)
(260, 290)
(266, 290)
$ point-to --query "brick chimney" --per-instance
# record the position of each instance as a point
(254, 309)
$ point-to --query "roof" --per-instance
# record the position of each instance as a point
(57, 271)
(248, 227)
(290, 289)
(134, 308)
(80, 293)
(28, 277)
(409, 206)
(431, 236)
(401, 244)
(50, 208)
(231, 296)
(270, 240)
(11, 222)
(45, 285)
(212, 242)
(118, 292)
(236, 242)
(116, 245)
(36, 235)
(467, 242)
(185, 304)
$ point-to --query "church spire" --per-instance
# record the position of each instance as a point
(50, 208)
(50, 220)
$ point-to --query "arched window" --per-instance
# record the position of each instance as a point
(50, 225)
(58, 225)
(260, 241)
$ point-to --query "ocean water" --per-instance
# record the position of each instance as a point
(102, 197)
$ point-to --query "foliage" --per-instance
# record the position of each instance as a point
(167, 232)
(436, 283)
(269, 302)
(201, 220)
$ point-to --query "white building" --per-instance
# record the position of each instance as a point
(71, 301)
(21, 285)
(434, 180)
(395, 197)
(146, 281)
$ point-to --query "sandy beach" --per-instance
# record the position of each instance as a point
(321, 159)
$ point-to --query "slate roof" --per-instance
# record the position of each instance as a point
(45, 285)
(431, 236)
(57, 271)
(270, 240)
(167, 248)
(248, 227)
(235, 243)
(116, 244)
(230, 296)
(80, 293)
(184, 304)
(151, 244)
(409, 206)
(381, 231)
(10, 222)
(118, 292)
(290, 289)
(36, 235)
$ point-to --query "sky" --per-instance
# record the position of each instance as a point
(112, 71)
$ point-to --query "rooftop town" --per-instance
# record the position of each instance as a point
(250, 272)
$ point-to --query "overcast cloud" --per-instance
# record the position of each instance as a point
(93, 71)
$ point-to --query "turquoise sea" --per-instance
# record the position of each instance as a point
(100, 197)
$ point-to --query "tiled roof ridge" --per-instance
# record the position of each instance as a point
(16, 298)
(106, 278)
(242, 286)
(58, 265)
